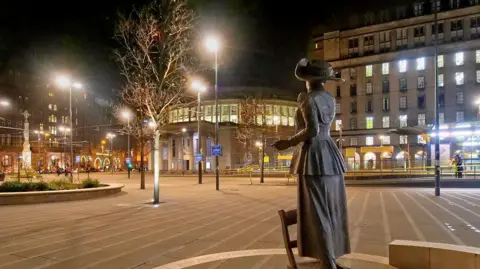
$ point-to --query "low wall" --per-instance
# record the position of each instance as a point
(36, 197)
(425, 255)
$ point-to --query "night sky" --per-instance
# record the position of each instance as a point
(263, 39)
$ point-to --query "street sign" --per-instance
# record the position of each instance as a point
(198, 157)
(129, 160)
(77, 159)
(216, 150)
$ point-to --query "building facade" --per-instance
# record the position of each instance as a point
(181, 142)
(389, 82)
(49, 122)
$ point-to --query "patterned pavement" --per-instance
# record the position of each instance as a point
(125, 231)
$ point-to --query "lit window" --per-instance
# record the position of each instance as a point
(440, 80)
(403, 121)
(459, 60)
(338, 108)
(353, 141)
(369, 122)
(369, 88)
(403, 139)
(459, 98)
(460, 116)
(50, 107)
(338, 125)
(459, 78)
(441, 117)
(369, 71)
(477, 56)
(421, 63)
(440, 61)
(50, 94)
(478, 76)
(420, 139)
(369, 140)
(403, 102)
(402, 66)
(386, 122)
(421, 82)
(385, 139)
(385, 68)
(421, 119)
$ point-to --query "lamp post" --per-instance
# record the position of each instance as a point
(4, 103)
(261, 148)
(184, 130)
(200, 88)
(111, 136)
(213, 45)
(65, 82)
(126, 114)
(437, 113)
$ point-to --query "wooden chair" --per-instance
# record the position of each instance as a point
(289, 218)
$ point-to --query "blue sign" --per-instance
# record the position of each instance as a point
(77, 159)
(198, 157)
(216, 150)
(129, 160)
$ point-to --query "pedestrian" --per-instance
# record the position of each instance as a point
(322, 208)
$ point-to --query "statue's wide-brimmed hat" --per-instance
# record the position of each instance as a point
(314, 70)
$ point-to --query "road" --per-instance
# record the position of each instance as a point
(126, 231)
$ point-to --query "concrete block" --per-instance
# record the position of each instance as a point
(450, 258)
(409, 254)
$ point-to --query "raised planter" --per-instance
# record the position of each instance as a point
(36, 197)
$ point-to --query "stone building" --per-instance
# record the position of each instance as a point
(181, 144)
(388, 67)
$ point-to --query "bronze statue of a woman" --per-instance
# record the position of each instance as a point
(322, 209)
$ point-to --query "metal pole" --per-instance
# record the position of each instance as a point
(262, 169)
(199, 143)
(128, 146)
(217, 172)
(437, 122)
(39, 154)
(71, 137)
(111, 153)
(381, 157)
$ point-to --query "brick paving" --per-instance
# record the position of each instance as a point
(125, 231)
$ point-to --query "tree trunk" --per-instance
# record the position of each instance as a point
(156, 168)
(142, 160)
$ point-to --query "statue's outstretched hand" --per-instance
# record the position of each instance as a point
(281, 144)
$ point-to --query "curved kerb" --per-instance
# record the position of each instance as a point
(255, 252)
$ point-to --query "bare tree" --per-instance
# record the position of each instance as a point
(155, 57)
(140, 129)
(252, 125)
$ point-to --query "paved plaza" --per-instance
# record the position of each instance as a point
(125, 231)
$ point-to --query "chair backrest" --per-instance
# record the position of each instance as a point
(288, 218)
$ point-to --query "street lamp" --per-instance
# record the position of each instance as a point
(111, 136)
(199, 87)
(4, 103)
(213, 45)
(126, 115)
(66, 82)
